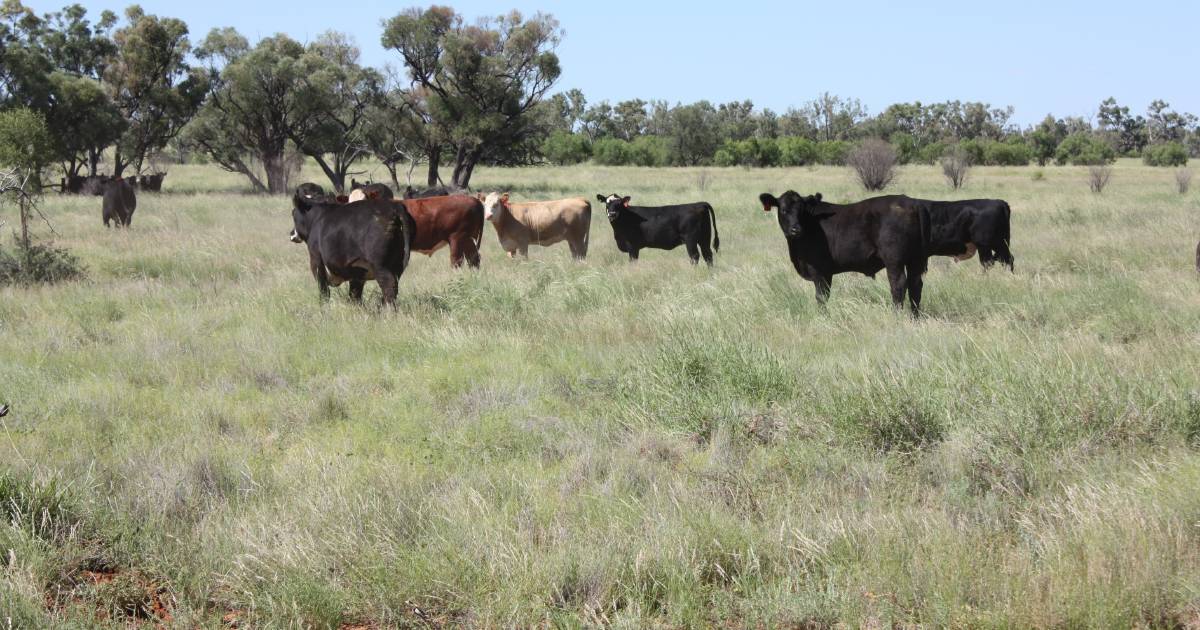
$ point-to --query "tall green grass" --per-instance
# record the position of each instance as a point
(601, 443)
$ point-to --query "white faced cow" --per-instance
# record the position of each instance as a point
(539, 222)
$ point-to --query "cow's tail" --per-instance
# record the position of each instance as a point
(716, 235)
(407, 225)
(1005, 254)
(587, 234)
(926, 235)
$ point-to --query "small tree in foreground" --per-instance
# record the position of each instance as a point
(25, 149)
(1098, 176)
(874, 162)
(955, 166)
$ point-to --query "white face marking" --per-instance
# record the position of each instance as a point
(491, 205)
(357, 195)
(610, 199)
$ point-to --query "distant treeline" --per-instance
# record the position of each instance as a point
(122, 92)
(653, 133)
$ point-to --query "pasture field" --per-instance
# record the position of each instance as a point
(195, 442)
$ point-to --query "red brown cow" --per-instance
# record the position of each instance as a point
(456, 221)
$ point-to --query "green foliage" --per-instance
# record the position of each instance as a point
(1166, 154)
(1084, 149)
(38, 264)
(758, 152)
(481, 81)
(151, 84)
(1010, 153)
(649, 151)
(565, 148)
(833, 152)
(797, 151)
(25, 143)
(611, 152)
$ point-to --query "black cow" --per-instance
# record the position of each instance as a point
(94, 185)
(436, 191)
(355, 242)
(310, 190)
(824, 239)
(152, 182)
(960, 228)
(370, 191)
(663, 227)
(119, 202)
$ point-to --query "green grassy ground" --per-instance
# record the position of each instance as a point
(603, 443)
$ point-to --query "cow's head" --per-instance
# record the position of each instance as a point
(301, 208)
(796, 212)
(493, 205)
(614, 204)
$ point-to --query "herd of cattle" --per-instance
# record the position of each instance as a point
(369, 235)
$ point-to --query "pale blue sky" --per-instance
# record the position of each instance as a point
(1040, 57)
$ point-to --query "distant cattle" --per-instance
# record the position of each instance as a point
(456, 221)
(120, 201)
(436, 191)
(371, 191)
(663, 227)
(960, 228)
(85, 185)
(310, 190)
(152, 182)
(356, 242)
(539, 222)
(824, 239)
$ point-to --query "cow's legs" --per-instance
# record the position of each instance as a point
(633, 254)
(1003, 254)
(356, 290)
(578, 247)
(693, 251)
(322, 276)
(915, 284)
(524, 251)
(463, 246)
(899, 283)
(387, 284)
(706, 251)
(822, 285)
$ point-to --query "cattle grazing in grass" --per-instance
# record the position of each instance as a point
(961, 228)
(663, 227)
(456, 221)
(85, 185)
(120, 201)
(824, 239)
(371, 191)
(355, 242)
(539, 222)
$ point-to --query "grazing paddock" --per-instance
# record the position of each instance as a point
(193, 437)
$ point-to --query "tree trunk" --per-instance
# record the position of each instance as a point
(464, 165)
(435, 157)
(277, 173)
(24, 205)
(391, 168)
(335, 173)
(93, 160)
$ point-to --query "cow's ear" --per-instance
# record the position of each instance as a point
(504, 199)
(817, 197)
(768, 201)
(600, 198)
(625, 201)
(343, 199)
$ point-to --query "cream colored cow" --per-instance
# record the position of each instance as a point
(539, 222)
